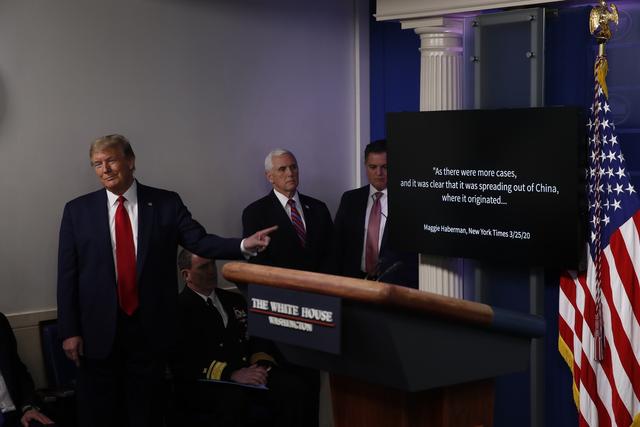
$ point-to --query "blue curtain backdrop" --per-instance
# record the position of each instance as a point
(569, 57)
(394, 72)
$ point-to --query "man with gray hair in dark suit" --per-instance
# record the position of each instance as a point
(302, 240)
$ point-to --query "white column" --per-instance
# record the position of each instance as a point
(440, 89)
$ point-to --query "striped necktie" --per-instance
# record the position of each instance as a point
(373, 235)
(296, 220)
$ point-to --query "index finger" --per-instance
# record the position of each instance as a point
(267, 231)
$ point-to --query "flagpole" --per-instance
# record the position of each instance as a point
(599, 20)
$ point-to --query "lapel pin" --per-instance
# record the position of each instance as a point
(149, 204)
(306, 206)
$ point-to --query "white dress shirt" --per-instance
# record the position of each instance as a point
(383, 221)
(284, 201)
(131, 205)
(6, 404)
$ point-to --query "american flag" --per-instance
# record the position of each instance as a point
(606, 298)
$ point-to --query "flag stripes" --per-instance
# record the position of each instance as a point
(606, 370)
(607, 393)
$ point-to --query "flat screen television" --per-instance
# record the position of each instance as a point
(500, 185)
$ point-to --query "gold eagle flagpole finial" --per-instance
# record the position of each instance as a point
(599, 20)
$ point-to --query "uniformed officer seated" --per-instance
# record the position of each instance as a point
(223, 377)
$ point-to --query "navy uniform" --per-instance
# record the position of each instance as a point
(210, 351)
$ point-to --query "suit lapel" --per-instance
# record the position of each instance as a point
(385, 236)
(361, 214)
(281, 217)
(101, 212)
(308, 216)
(145, 224)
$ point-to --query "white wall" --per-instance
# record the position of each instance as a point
(202, 88)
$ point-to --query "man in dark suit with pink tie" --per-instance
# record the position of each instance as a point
(360, 242)
(117, 286)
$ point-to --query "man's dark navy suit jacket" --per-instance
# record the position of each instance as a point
(87, 295)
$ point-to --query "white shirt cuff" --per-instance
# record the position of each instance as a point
(247, 254)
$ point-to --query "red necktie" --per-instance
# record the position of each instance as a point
(373, 235)
(296, 220)
(125, 260)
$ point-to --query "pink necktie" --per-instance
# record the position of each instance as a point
(125, 260)
(373, 235)
(296, 220)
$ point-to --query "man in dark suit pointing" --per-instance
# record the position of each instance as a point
(360, 243)
(117, 286)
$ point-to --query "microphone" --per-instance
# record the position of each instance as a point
(376, 270)
(396, 265)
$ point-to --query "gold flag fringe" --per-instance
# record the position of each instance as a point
(601, 70)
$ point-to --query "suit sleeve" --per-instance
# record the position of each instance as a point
(24, 393)
(252, 222)
(194, 237)
(326, 254)
(193, 362)
(337, 243)
(263, 352)
(68, 310)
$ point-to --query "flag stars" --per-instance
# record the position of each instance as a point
(614, 140)
(605, 124)
(618, 188)
(620, 172)
(606, 107)
(616, 205)
(611, 156)
(606, 220)
(609, 172)
(621, 157)
(630, 189)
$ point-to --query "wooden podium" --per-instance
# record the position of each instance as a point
(409, 358)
